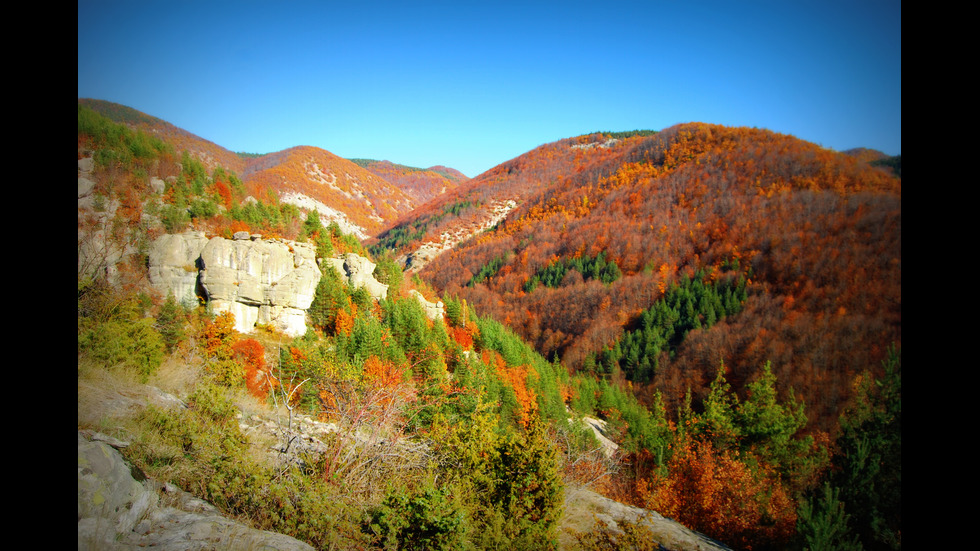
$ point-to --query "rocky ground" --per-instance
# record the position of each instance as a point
(119, 508)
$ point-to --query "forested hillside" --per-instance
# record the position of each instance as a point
(809, 238)
(362, 201)
(421, 184)
(744, 285)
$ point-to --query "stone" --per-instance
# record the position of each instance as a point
(359, 272)
(173, 261)
(264, 282)
(433, 310)
(267, 282)
(117, 511)
(157, 185)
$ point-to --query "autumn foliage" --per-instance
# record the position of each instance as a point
(814, 233)
(713, 492)
(258, 379)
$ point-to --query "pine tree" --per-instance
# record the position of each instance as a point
(822, 523)
(868, 467)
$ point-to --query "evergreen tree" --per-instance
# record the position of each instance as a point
(822, 523)
(868, 466)
(170, 322)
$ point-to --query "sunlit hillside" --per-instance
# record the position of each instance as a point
(703, 321)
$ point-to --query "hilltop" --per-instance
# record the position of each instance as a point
(362, 199)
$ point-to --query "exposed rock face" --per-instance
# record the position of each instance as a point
(259, 281)
(426, 252)
(117, 511)
(174, 264)
(359, 272)
(583, 508)
(433, 310)
(267, 282)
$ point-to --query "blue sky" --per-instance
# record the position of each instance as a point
(473, 84)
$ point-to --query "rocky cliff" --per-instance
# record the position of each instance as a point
(261, 281)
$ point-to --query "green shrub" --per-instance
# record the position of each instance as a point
(426, 519)
(119, 342)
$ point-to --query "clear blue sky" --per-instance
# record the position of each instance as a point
(473, 84)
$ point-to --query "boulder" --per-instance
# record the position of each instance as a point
(118, 508)
(157, 185)
(359, 272)
(433, 310)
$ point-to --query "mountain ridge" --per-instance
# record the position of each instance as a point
(362, 200)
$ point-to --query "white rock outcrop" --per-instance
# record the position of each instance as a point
(174, 265)
(269, 282)
(433, 310)
(359, 272)
(260, 281)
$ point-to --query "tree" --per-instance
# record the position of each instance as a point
(528, 492)
(868, 465)
(822, 523)
(251, 354)
(718, 423)
(768, 427)
(312, 225)
(170, 322)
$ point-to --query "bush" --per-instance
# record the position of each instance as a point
(134, 344)
(427, 519)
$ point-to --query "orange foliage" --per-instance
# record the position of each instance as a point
(380, 373)
(218, 335)
(712, 492)
(516, 378)
(462, 336)
(368, 200)
(251, 354)
(225, 192)
(816, 229)
(345, 319)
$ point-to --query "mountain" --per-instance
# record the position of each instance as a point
(310, 177)
(363, 201)
(744, 285)
(815, 234)
(422, 184)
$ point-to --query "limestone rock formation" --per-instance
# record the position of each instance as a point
(359, 272)
(266, 282)
(260, 281)
(433, 310)
(174, 266)
(270, 282)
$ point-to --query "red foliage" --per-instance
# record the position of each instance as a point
(225, 192)
(251, 354)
